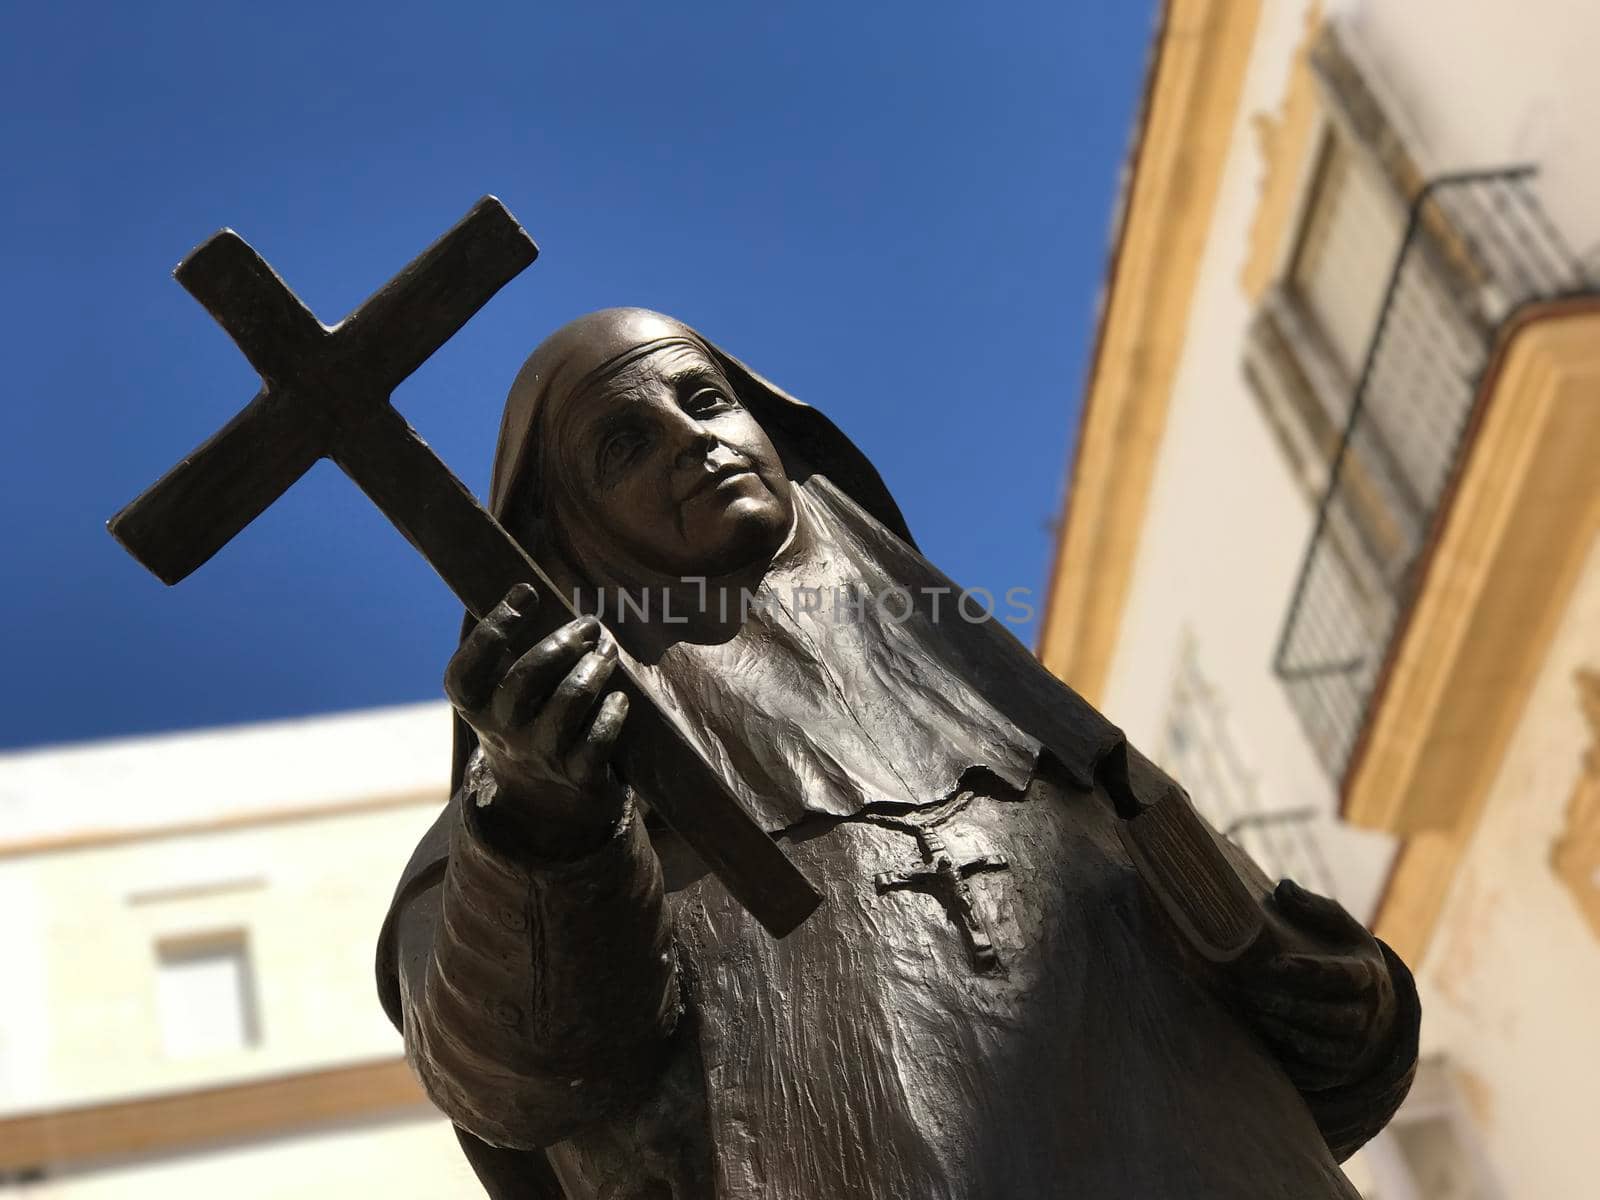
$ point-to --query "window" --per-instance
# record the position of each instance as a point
(1348, 242)
(1365, 358)
(1309, 341)
(205, 995)
(1304, 356)
(1354, 286)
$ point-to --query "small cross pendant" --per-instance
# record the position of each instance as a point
(939, 876)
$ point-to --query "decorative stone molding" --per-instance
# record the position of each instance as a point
(1187, 124)
(1509, 541)
(1285, 139)
(1575, 857)
(182, 1120)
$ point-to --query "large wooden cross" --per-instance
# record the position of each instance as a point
(326, 394)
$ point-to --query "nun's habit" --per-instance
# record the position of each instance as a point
(985, 1005)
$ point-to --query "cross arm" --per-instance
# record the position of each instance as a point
(233, 283)
(193, 510)
(423, 306)
(989, 862)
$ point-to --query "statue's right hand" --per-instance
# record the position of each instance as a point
(536, 706)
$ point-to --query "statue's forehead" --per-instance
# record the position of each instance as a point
(627, 382)
(665, 360)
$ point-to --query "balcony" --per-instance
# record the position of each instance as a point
(1477, 248)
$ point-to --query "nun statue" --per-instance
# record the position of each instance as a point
(987, 1005)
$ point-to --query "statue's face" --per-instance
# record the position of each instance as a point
(675, 471)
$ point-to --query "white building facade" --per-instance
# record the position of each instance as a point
(189, 1005)
(1330, 551)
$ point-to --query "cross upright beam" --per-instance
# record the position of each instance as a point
(325, 394)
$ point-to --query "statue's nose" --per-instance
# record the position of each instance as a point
(696, 448)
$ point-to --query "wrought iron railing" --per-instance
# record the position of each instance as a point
(1199, 748)
(1477, 247)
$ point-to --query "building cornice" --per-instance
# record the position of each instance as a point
(1509, 541)
(1285, 139)
(1191, 109)
(95, 839)
(130, 789)
(168, 1123)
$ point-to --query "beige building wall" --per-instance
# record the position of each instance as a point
(1511, 979)
(270, 852)
(1486, 84)
(413, 1156)
(305, 897)
(1226, 524)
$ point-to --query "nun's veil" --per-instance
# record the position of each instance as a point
(588, 349)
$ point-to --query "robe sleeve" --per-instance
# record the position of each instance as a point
(1352, 1114)
(536, 997)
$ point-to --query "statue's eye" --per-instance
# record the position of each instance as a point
(707, 400)
(619, 450)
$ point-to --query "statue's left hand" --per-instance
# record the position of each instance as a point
(1326, 1006)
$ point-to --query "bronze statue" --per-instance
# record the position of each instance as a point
(774, 866)
(986, 1004)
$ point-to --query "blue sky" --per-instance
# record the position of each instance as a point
(897, 211)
